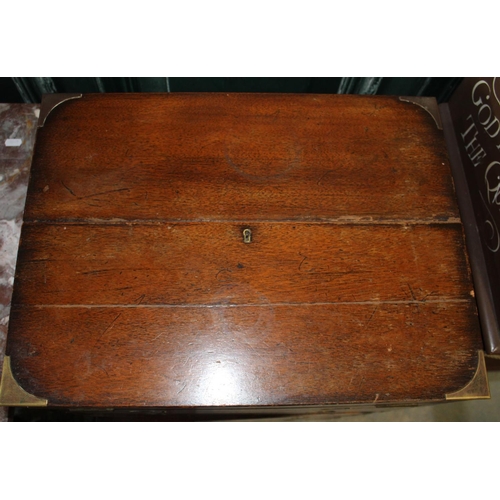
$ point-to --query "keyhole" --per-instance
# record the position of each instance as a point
(247, 235)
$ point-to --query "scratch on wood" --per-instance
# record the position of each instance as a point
(68, 189)
(302, 261)
(103, 192)
(158, 336)
(97, 271)
(107, 329)
(104, 370)
(411, 291)
(222, 271)
(323, 176)
(373, 314)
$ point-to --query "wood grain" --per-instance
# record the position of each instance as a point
(135, 289)
(271, 355)
(208, 263)
(239, 157)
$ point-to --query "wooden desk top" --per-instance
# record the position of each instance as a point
(236, 250)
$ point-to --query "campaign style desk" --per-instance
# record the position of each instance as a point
(241, 252)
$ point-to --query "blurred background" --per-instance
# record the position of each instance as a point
(30, 89)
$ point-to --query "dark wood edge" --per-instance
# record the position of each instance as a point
(50, 101)
(489, 322)
(255, 409)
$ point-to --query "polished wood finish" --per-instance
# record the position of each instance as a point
(239, 157)
(208, 263)
(244, 355)
(135, 287)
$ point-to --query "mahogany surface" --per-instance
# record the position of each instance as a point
(134, 287)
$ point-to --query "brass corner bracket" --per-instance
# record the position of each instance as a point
(50, 101)
(12, 394)
(478, 387)
(429, 104)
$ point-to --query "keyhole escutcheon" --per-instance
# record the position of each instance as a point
(247, 235)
